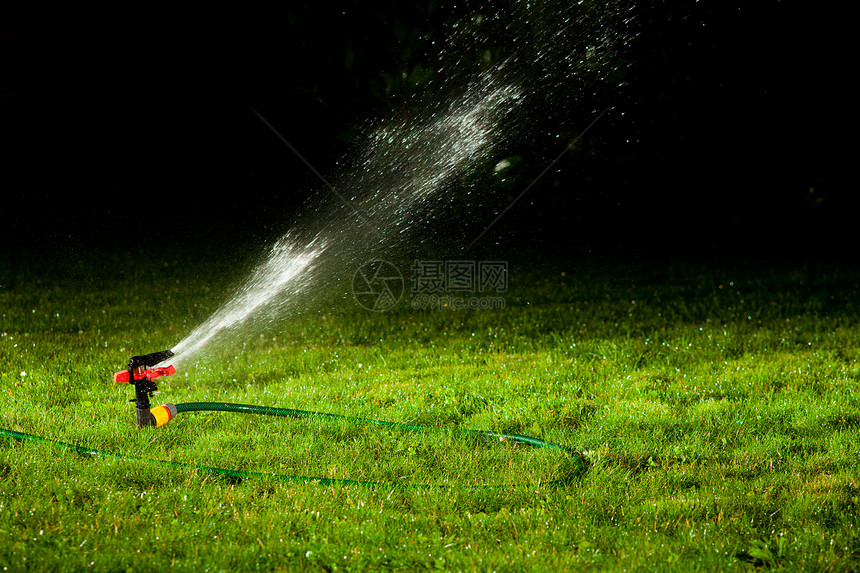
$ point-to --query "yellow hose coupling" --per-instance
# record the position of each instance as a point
(163, 413)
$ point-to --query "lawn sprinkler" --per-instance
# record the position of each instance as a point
(142, 372)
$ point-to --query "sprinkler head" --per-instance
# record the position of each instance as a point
(150, 359)
(142, 372)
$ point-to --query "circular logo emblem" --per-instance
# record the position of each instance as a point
(377, 285)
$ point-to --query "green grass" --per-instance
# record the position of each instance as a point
(718, 408)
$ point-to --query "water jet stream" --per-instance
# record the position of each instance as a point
(404, 166)
(398, 181)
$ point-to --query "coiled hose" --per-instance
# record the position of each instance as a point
(239, 475)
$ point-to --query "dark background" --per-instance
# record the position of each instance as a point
(133, 128)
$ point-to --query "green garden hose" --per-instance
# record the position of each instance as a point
(170, 410)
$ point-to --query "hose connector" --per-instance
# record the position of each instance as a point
(163, 414)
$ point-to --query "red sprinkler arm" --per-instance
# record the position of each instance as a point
(121, 377)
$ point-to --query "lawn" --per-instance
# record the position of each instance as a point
(716, 406)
